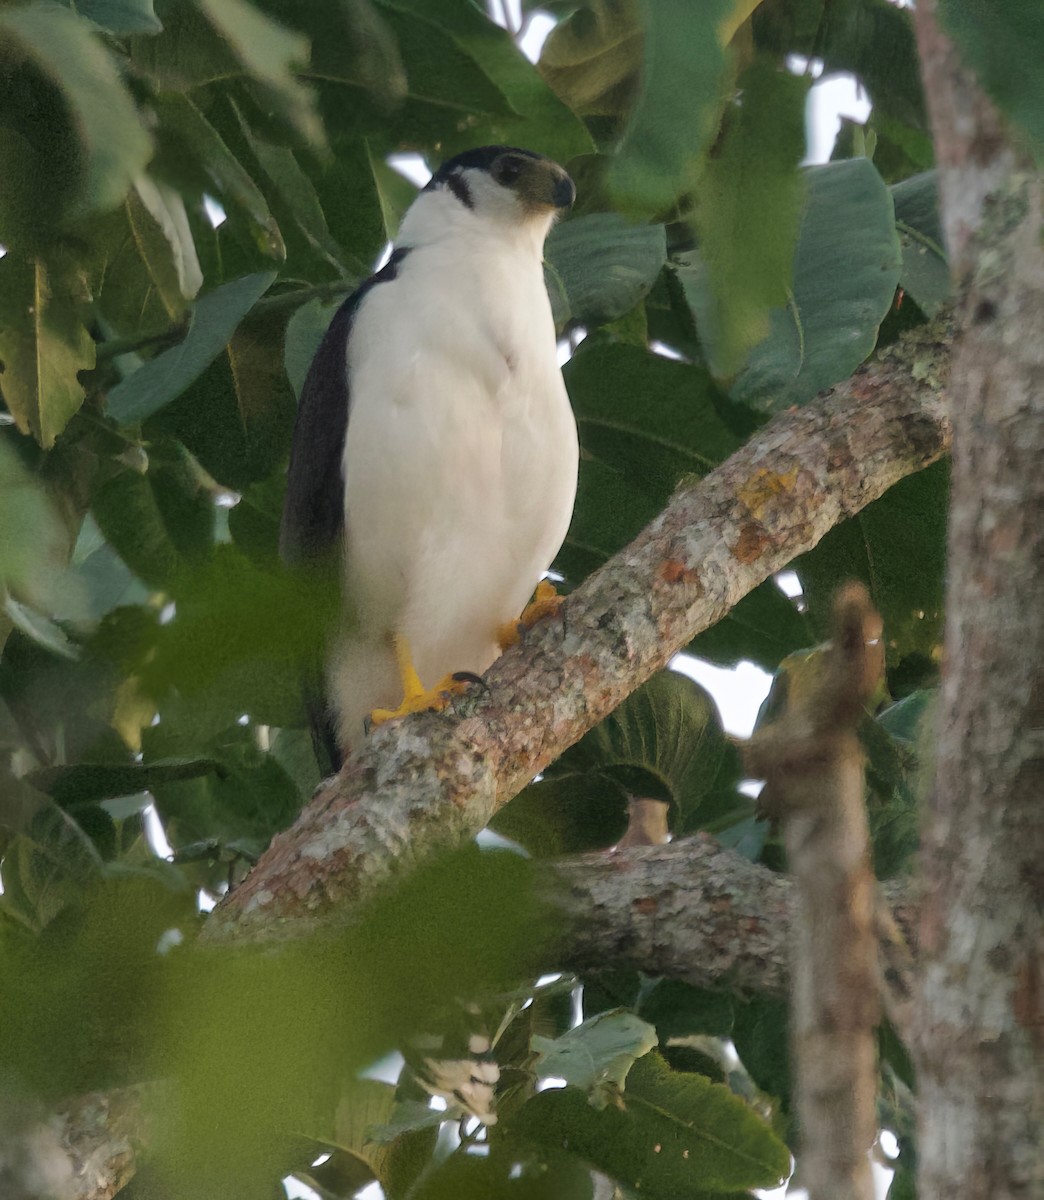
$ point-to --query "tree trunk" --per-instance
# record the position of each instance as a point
(980, 1024)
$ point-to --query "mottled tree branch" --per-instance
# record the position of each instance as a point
(696, 911)
(979, 1048)
(430, 782)
(690, 910)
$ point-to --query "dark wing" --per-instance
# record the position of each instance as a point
(313, 511)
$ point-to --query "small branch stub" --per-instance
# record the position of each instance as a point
(812, 762)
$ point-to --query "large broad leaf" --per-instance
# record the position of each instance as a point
(304, 332)
(214, 320)
(1005, 46)
(898, 745)
(237, 417)
(645, 422)
(160, 520)
(897, 546)
(846, 270)
(34, 544)
(609, 512)
(159, 223)
(241, 799)
(294, 197)
(513, 1170)
(182, 120)
(540, 121)
(271, 55)
(121, 17)
(649, 417)
(763, 627)
(593, 57)
(596, 1055)
(70, 137)
(677, 1134)
(678, 104)
(871, 39)
(925, 272)
(242, 641)
(749, 208)
(665, 742)
(436, 87)
(43, 344)
(761, 1036)
(599, 266)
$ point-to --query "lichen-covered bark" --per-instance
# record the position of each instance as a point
(980, 1043)
(690, 910)
(431, 781)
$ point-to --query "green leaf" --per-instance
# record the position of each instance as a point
(764, 627)
(567, 815)
(592, 58)
(34, 544)
(599, 267)
(239, 800)
(157, 521)
(271, 54)
(677, 1134)
(46, 868)
(871, 39)
(122, 17)
(70, 139)
(761, 1037)
(513, 1170)
(897, 546)
(665, 741)
(925, 272)
(237, 417)
(438, 91)
(1005, 48)
(395, 193)
(82, 783)
(230, 180)
(897, 743)
(242, 641)
(296, 195)
(846, 270)
(650, 418)
(610, 510)
(750, 199)
(596, 1055)
(161, 231)
(304, 332)
(214, 320)
(679, 101)
(540, 121)
(679, 1010)
(43, 344)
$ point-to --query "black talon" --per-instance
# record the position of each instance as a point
(470, 677)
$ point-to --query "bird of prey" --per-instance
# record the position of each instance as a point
(435, 451)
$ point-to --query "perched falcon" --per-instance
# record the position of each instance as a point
(435, 449)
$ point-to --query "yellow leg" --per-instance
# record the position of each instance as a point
(545, 602)
(415, 698)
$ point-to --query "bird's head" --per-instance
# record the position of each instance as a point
(507, 189)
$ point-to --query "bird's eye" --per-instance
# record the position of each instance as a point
(508, 169)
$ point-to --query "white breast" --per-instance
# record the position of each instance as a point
(460, 462)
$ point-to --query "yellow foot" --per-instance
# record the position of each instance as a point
(415, 697)
(546, 601)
